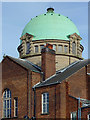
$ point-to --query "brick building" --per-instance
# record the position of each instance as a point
(52, 82)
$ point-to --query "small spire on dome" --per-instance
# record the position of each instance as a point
(50, 10)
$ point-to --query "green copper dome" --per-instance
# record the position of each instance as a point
(50, 26)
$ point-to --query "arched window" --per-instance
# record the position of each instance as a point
(74, 48)
(7, 103)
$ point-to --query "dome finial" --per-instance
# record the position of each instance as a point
(50, 10)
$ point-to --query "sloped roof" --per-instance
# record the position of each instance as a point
(26, 64)
(64, 73)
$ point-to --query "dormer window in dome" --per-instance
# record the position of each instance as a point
(74, 48)
(27, 47)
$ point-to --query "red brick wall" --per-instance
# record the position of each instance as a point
(14, 77)
(88, 68)
(72, 106)
(77, 84)
(20, 81)
(88, 86)
(54, 101)
(34, 79)
(85, 112)
(48, 64)
(77, 87)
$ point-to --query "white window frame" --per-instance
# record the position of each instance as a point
(45, 103)
(15, 107)
(7, 104)
(71, 115)
(88, 116)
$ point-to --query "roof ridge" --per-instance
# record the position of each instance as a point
(72, 64)
(33, 64)
(25, 63)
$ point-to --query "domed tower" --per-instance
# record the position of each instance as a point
(54, 29)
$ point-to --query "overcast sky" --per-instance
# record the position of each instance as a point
(15, 15)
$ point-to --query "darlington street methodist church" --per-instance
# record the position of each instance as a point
(50, 79)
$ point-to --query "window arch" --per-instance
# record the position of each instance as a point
(7, 103)
(74, 48)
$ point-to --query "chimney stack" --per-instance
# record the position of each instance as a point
(48, 61)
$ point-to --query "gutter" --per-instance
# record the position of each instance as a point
(34, 117)
(79, 109)
(29, 93)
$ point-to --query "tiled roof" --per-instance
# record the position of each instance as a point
(64, 73)
(26, 64)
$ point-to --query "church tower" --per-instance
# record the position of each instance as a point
(55, 29)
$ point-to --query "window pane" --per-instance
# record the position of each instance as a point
(27, 48)
(8, 93)
(74, 115)
(36, 49)
(66, 49)
(60, 48)
(15, 107)
(47, 108)
(47, 97)
(5, 94)
(73, 48)
(8, 113)
(41, 47)
(4, 113)
(43, 99)
(10, 103)
(43, 108)
(7, 103)
(45, 102)
(4, 104)
(16, 112)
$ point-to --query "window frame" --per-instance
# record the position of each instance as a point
(27, 47)
(61, 49)
(65, 47)
(71, 115)
(88, 116)
(16, 107)
(35, 48)
(74, 48)
(7, 104)
(45, 103)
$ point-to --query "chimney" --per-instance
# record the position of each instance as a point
(48, 61)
